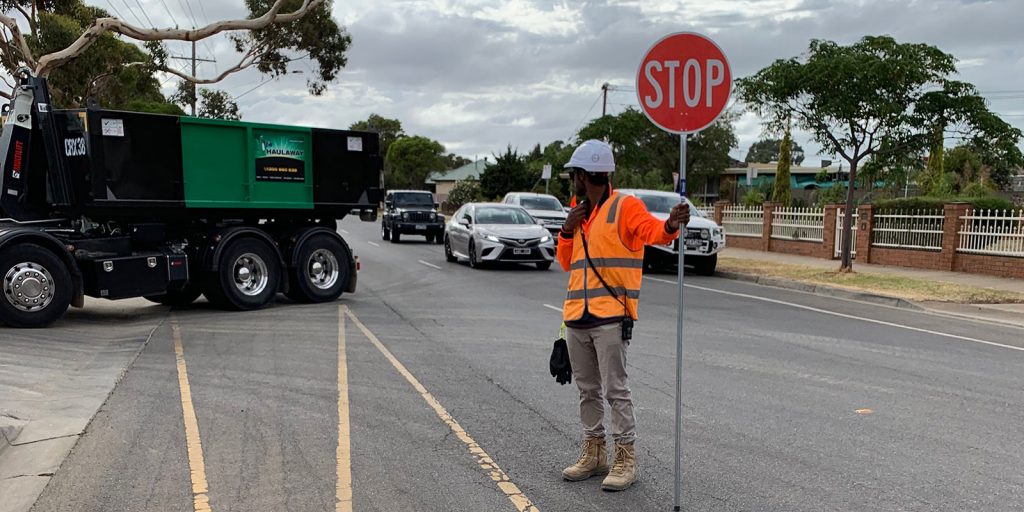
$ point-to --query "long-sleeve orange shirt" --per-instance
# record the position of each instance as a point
(636, 226)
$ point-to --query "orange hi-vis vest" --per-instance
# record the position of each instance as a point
(620, 266)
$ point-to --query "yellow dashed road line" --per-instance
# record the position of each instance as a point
(200, 490)
(501, 479)
(343, 489)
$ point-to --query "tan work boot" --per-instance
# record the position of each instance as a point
(623, 472)
(593, 461)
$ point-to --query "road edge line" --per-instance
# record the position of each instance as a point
(343, 486)
(193, 443)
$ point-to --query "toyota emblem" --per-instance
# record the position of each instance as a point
(522, 241)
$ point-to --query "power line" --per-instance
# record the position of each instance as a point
(592, 105)
(189, 13)
(132, 12)
(145, 14)
(116, 12)
(168, 9)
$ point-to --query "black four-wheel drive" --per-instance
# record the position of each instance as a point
(411, 212)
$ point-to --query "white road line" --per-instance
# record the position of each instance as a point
(375, 244)
(841, 315)
(343, 231)
(431, 265)
(556, 308)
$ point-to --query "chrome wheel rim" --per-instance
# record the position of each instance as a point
(322, 269)
(28, 286)
(250, 274)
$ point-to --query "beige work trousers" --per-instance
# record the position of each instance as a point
(598, 357)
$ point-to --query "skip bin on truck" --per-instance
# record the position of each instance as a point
(114, 205)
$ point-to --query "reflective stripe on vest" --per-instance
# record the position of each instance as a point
(621, 268)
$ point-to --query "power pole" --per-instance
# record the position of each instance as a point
(604, 104)
(194, 61)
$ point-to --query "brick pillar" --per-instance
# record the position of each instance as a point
(951, 227)
(865, 224)
(720, 211)
(766, 228)
(828, 235)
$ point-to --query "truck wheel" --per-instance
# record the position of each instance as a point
(177, 298)
(384, 233)
(705, 265)
(323, 271)
(248, 276)
(37, 286)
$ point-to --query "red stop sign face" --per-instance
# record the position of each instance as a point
(684, 82)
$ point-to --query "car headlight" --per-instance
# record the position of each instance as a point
(545, 239)
(491, 238)
(705, 234)
(405, 216)
(717, 232)
(433, 217)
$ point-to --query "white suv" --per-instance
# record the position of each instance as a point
(704, 238)
(544, 207)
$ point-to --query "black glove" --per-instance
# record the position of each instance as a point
(561, 368)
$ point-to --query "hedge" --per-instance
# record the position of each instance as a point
(936, 203)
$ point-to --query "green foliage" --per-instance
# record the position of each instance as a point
(389, 130)
(831, 195)
(651, 180)
(936, 203)
(976, 190)
(753, 197)
(767, 150)
(782, 193)
(155, 107)
(453, 161)
(464, 191)
(217, 104)
(508, 174)
(316, 34)
(410, 160)
(822, 176)
(727, 189)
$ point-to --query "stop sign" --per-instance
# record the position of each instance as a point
(683, 82)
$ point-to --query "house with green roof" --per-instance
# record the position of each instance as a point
(442, 183)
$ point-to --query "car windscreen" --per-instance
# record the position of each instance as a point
(413, 199)
(657, 203)
(502, 216)
(541, 203)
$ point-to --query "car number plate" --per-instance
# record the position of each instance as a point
(521, 251)
(421, 226)
(694, 244)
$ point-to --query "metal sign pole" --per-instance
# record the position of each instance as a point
(679, 334)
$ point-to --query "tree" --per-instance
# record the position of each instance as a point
(453, 161)
(509, 173)
(868, 100)
(217, 104)
(782, 192)
(68, 35)
(410, 160)
(767, 150)
(389, 130)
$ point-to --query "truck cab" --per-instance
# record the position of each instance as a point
(411, 212)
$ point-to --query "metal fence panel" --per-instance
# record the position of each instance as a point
(916, 229)
(742, 221)
(994, 232)
(840, 213)
(806, 224)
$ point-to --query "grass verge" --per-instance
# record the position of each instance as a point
(894, 286)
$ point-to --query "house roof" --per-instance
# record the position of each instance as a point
(770, 168)
(470, 171)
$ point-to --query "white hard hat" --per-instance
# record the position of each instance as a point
(593, 156)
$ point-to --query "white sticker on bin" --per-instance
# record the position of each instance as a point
(355, 143)
(113, 127)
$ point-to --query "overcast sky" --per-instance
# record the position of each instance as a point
(478, 75)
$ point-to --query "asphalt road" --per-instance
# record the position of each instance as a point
(793, 402)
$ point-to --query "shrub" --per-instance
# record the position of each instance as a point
(936, 203)
(463, 192)
(753, 198)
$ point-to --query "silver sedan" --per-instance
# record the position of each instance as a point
(489, 233)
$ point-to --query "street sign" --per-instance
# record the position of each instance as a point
(684, 82)
(546, 172)
(683, 85)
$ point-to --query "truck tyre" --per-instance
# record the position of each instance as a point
(705, 265)
(36, 286)
(177, 298)
(248, 276)
(323, 271)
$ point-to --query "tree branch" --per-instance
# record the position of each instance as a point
(103, 25)
(26, 52)
(247, 60)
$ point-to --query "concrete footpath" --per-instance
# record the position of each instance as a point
(52, 382)
(1009, 314)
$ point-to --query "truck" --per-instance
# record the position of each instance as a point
(411, 212)
(113, 205)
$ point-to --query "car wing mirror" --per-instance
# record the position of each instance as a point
(464, 222)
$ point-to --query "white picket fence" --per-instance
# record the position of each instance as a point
(806, 224)
(839, 234)
(994, 232)
(708, 211)
(743, 221)
(915, 229)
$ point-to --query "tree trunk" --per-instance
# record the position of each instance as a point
(847, 253)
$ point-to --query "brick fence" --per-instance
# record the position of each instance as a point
(948, 258)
